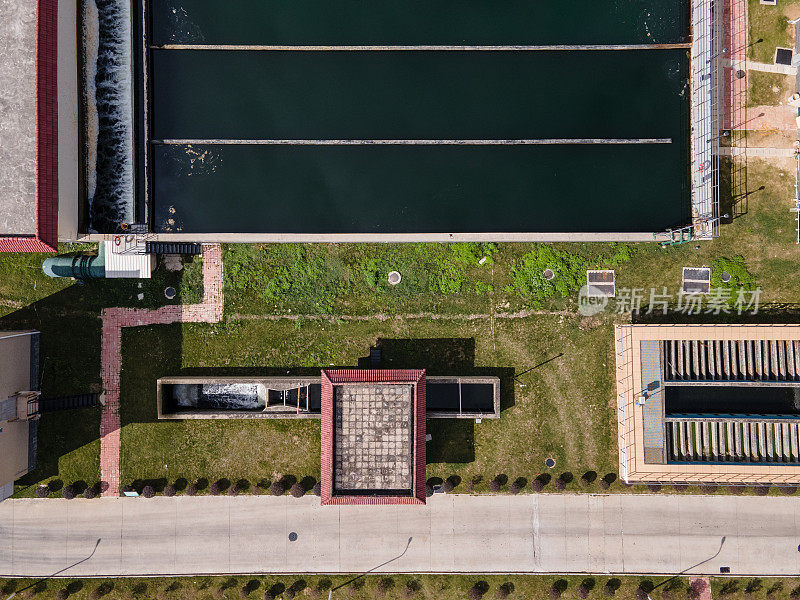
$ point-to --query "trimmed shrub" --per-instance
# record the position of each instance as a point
(761, 490)
(560, 484)
(214, 488)
(494, 485)
(708, 489)
(148, 491)
(447, 486)
(42, 491)
(68, 492)
(191, 489)
(515, 488)
(788, 490)
(611, 586)
(538, 484)
(475, 593)
(317, 489)
(411, 588)
(680, 487)
(277, 489)
(169, 490)
(297, 491)
(90, 492)
(654, 487)
(736, 489)
(504, 591)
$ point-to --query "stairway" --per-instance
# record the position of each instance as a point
(185, 249)
(731, 360)
(67, 402)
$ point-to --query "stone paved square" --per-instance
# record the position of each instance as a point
(373, 437)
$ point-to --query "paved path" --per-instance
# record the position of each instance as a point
(752, 152)
(616, 533)
(114, 319)
(752, 65)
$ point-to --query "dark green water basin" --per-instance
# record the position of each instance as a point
(413, 22)
(419, 95)
(402, 189)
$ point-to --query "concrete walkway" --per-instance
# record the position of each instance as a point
(453, 533)
(752, 65)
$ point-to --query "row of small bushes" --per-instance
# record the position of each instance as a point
(587, 481)
(223, 486)
(539, 483)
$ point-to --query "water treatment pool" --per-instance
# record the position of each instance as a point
(244, 128)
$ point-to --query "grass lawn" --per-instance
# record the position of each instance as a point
(448, 587)
(770, 24)
(769, 89)
(561, 410)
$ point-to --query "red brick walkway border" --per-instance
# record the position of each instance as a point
(701, 587)
(734, 22)
(114, 319)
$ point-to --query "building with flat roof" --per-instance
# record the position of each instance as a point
(708, 403)
(373, 436)
(19, 375)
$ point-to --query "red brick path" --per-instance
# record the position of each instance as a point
(734, 23)
(114, 319)
(701, 585)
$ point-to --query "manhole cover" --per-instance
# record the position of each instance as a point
(550, 463)
(292, 536)
(548, 274)
(740, 74)
(169, 293)
(394, 278)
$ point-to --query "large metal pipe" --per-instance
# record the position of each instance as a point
(81, 267)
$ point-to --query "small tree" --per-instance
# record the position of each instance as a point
(42, 491)
(494, 485)
(504, 591)
(603, 483)
(68, 492)
(654, 487)
(288, 594)
(277, 489)
(640, 594)
(214, 488)
(447, 486)
(428, 490)
(191, 489)
(62, 594)
(233, 490)
(269, 594)
(297, 491)
(148, 491)
(89, 492)
(411, 588)
(383, 586)
(761, 490)
(317, 489)
(475, 593)
(560, 484)
(515, 488)
(169, 490)
(537, 484)
(588, 478)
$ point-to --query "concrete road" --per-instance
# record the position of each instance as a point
(453, 533)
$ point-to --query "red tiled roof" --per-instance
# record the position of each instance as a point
(46, 239)
(388, 376)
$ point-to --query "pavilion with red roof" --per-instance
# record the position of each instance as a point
(373, 436)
